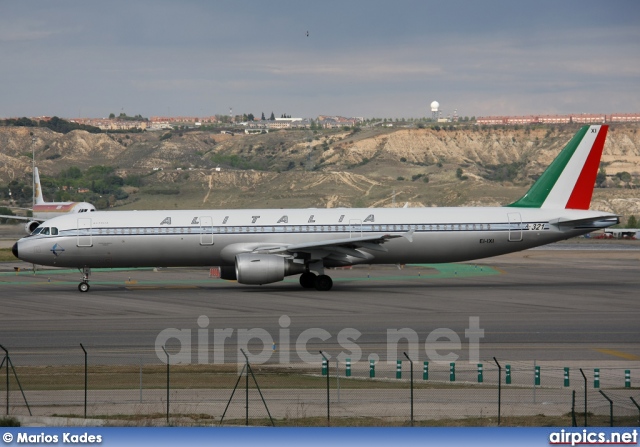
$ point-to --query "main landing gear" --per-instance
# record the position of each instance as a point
(309, 280)
(84, 285)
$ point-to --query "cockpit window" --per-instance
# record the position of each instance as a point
(54, 231)
(36, 231)
(45, 230)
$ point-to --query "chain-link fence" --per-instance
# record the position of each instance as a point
(128, 388)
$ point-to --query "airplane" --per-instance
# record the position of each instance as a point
(46, 210)
(262, 246)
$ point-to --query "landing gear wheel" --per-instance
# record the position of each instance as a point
(324, 283)
(83, 287)
(308, 280)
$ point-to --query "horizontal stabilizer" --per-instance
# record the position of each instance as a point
(591, 222)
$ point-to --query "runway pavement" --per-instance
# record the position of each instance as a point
(569, 303)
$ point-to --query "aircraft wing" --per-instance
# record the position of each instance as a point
(30, 219)
(336, 247)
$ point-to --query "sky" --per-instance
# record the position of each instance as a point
(78, 58)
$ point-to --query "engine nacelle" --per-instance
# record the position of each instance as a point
(264, 269)
(228, 272)
(30, 226)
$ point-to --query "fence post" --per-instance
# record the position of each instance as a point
(325, 362)
(610, 408)
(637, 406)
(480, 373)
(566, 376)
(398, 369)
(85, 380)
(411, 379)
(167, 354)
(6, 360)
(627, 378)
(15, 374)
(425, 371)
(596, 378)
(452, 372)
(499, 387)
(585, 396)
(574, 423)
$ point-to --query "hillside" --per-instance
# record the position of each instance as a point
(372, 167)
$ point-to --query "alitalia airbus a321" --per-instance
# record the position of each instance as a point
(262, 246)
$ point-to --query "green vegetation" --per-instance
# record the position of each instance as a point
(505, 172)
(6, 255)
(7, 212)
(98, 185)
(56, 124)
(125, 117)
(9, 421)
(235, 161)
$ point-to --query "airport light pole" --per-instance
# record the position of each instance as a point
(33, 171)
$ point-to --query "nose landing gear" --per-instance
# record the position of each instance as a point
(84, 285)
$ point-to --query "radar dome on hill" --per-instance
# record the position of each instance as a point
(435, 106)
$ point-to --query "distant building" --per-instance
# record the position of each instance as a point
(580, 118)
(334, 122)
(625, 117)
(111, 124)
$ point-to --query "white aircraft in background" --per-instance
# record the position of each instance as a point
(263, 246)
(46, 210)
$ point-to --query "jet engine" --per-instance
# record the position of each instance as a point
(228, 272)
(264, 269)
(30, 226)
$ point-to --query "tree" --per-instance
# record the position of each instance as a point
(272, 117)
(263, 118)
(112, 116)
(632, 222)
(624, 176)
(7, 212)
(601, 177)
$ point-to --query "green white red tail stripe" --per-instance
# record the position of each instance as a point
(569, 181)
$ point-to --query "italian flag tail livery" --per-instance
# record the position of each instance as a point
(569, 181)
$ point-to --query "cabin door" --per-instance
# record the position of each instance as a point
(84, 232)
(206, 230)
(515, 227)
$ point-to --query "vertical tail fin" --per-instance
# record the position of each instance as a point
(569, 180)
(39, 199)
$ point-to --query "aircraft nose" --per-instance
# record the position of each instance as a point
(14, 250)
